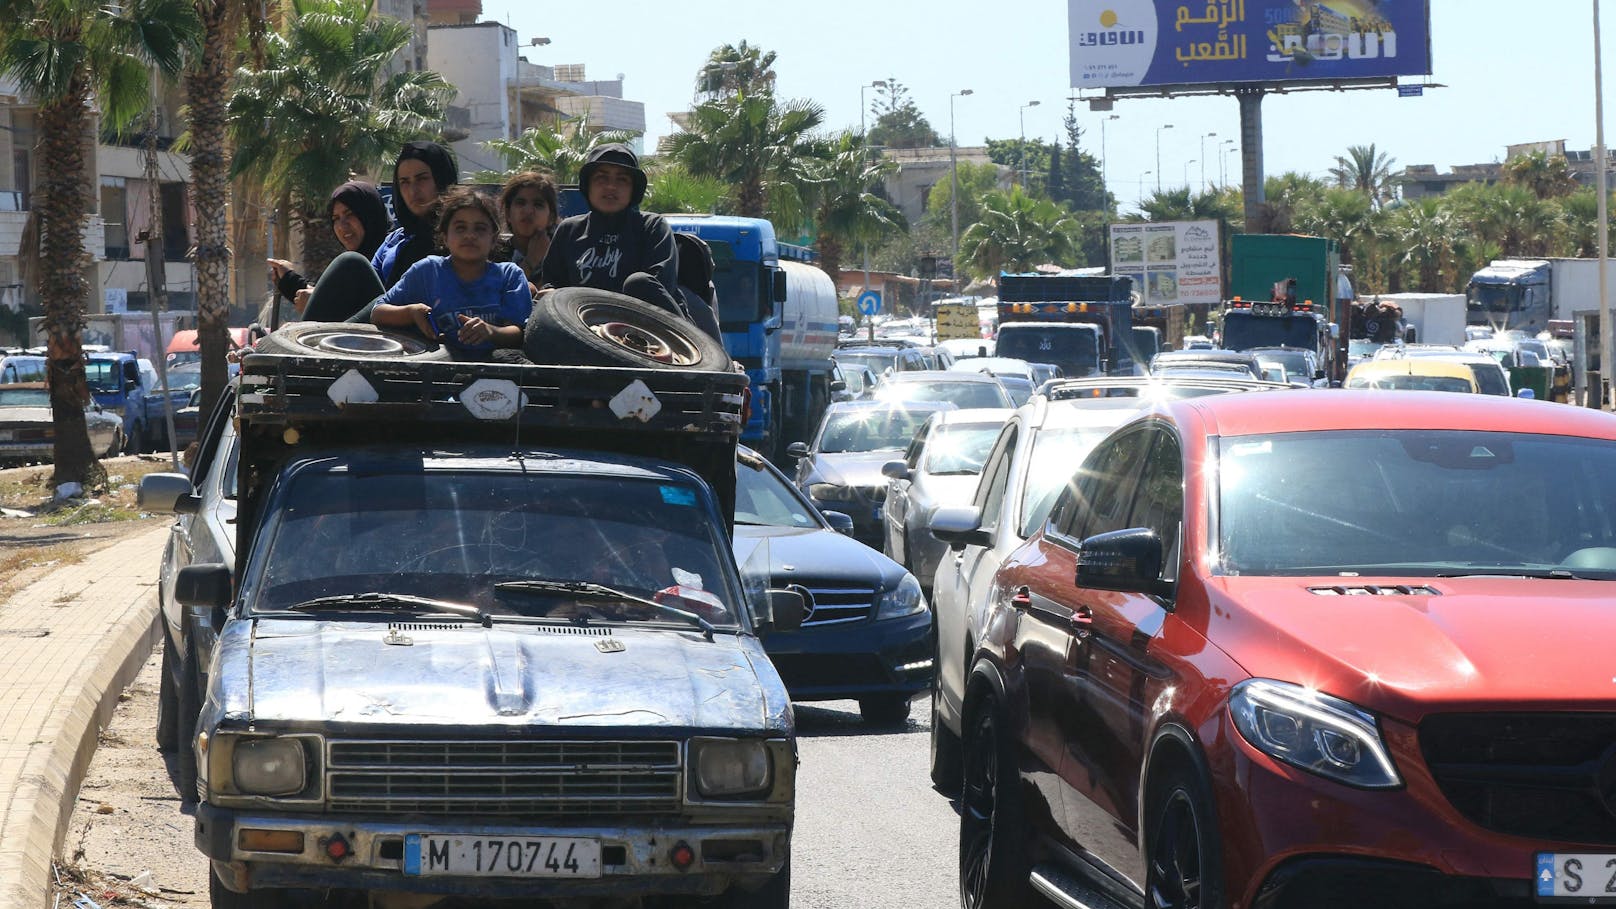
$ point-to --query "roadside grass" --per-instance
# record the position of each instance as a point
(90, 513)
(29, 489)
(16, 564)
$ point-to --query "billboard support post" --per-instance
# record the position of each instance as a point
(1251, 154)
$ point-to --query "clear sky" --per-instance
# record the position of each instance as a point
(1514, 72)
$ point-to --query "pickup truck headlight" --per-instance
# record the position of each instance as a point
(269, 766)
(904, 599)
(1316, 732)
(727, 768)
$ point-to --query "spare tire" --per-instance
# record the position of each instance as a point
(349, 341)
(582, 326)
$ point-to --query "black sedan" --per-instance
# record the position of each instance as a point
(866, 630)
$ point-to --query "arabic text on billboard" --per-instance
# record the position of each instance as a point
(1121, 43)
(1169, 262)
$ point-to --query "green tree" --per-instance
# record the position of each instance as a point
(1427, 239)
(847, 213)
(975, 182)
(207, 83)
(1024, 157)
(1547, 176)
(1017, 233)
(1084, 187)
(735, 69)
(763, 149)
(1183, 204)
(325, 106)
(63, 53)
(1055, 177)
(1366, 170)
(898, 122)
(672, 189)
(559, 151)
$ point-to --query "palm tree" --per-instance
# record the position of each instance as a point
(1428, 237)
(673, 190)
(1184, 205)
(761, 148)
(1548, 177)
(326, 106)
(1366, 170)
(559, 152)
(207, 81)
(1018, 232)
(735, 69)
(846, 212)
(64, 54)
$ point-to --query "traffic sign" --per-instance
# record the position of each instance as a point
(1410, 91)
(869, 302)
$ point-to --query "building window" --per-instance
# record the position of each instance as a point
(176, 223)
(115, 212)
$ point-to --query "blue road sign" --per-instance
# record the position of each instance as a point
(1410, 91)
(869, 302)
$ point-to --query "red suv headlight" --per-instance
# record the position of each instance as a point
(1316, 732)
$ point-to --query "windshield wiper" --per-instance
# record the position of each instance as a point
(404, 600)
(602, 592)
(1545, 574)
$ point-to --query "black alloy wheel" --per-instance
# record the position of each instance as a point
(1184, 870)
(994, 864)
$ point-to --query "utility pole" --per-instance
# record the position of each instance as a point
(864, 141)
(536, 42)
(1158, 155)
(953, 180)
(1203, 157)
(157, 278)
(1022, 115)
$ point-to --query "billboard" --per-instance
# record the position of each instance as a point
(1170, 261)
(1128, 43)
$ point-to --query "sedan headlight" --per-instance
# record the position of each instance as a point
(904, 599)
(829, 492)
(727, 768)
(1318, 733)
(268, 766)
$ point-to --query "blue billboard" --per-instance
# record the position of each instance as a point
(1138, 43)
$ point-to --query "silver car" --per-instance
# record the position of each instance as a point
(941, 467)
(28, 427)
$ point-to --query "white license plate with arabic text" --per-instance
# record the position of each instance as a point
(1588, 878)
(501, 856)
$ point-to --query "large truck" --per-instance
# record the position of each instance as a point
(1081, 323)
(1287, 287)
(1525, 294)
(778, 315)
(1426, 318)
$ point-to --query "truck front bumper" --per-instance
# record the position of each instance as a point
(636, 859)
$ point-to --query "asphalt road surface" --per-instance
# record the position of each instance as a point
(871, 832)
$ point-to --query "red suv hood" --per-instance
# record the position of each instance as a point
(1479, 643)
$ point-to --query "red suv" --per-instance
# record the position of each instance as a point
(1310, 650)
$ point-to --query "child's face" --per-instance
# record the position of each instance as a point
(529, 213)
(470, 235)
(611, 186)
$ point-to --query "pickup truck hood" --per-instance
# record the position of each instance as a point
(1478, 643)
(308, 672)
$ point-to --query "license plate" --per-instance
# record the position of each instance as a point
(501, 856)
(1589, 878)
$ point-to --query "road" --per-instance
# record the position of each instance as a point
(871, 832)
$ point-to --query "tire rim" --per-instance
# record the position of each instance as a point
(654, 342)
(978, 807)
(1175, 856)
(353, 342)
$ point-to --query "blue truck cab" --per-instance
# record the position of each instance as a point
(1082, 323)
(127, 384)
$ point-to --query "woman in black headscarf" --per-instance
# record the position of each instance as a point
(424, 171)
(360, 222)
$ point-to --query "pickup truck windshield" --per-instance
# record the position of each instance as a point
(1417, 503)
(463, 536)
(1074, 348)
(104, 376)
(1243, 331)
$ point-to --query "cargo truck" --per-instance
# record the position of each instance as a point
(1525, 294)
(1299, 274)
(1083, 324)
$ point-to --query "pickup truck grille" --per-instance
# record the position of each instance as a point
(545, 779)
(1549, 777)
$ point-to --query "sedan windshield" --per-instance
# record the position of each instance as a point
(875, 362)
(1417, 503)
(463, 537)
(959, 448)
(760, 498)
(964, 394)
(870, 429)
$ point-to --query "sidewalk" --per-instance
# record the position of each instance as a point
(69, 643)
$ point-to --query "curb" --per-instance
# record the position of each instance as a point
(58, 772)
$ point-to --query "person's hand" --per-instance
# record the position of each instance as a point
(279, 268)
(533, 290)
(474, 330)
(422, 314)
(300, 301)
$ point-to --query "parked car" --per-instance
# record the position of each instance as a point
(866, 628)
(1190, 688)
(21, 367)
(940, 468)
(840, 470)
(28, 428)
(962, 389)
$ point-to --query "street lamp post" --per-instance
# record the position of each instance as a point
(1187, 172)
(1022, 115)
(1224, 147)
(536, 42)
(953, 179)
(1158, 154)
(1102, 155)
(1203, 156)
(865, 143)
(1142, 185)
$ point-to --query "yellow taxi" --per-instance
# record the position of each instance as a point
(1413, 374)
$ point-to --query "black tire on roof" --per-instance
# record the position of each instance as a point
(582, 326)
(349, 341)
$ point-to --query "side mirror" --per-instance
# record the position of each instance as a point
(895, 470)
(788, 607)
(1125, 560)
(841, 522)
(163, 491)
(797, 449)
(959, 526)
(207, 586)
(1318, 373)
(779, 285)
(838, 385)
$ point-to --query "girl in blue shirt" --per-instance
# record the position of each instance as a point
(462, 299)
